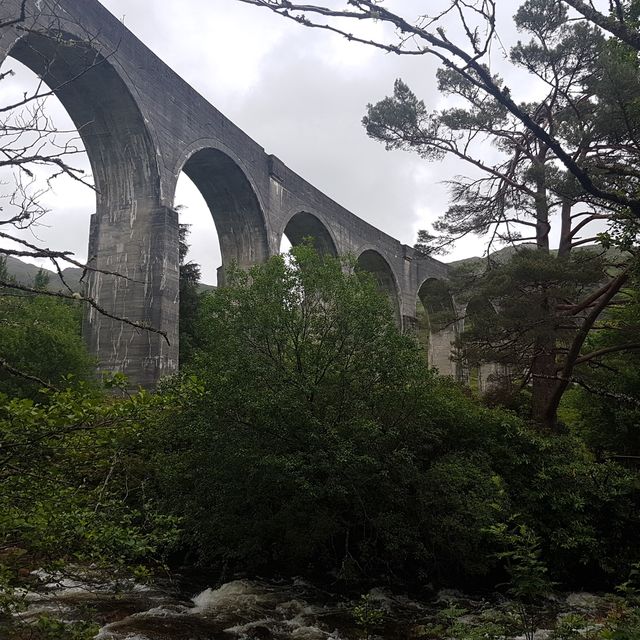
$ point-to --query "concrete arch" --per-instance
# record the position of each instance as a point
(202, 144)
(303, 225)
(436, 324)
(481, 377)
(435, 296)
(233, 202)
(373, 262)
(131, 233)
(98, 100)
(478, 308)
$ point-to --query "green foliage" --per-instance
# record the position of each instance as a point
(315, 439)
(585, 512)
(621, 622)
(73, 497)
(312, 443)
(605, 409)
(72, 487)
(519, 314)
(520, 286)
(189, 297)
(572, 627)
(40, 336)
(466, 499)
(528, 579)
(456, 622)
(41, 280)
(308, 436)
(366, 615)
(616, 619)
(630, 588)
(50, 628)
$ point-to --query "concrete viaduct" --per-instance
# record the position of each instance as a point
(142, 125)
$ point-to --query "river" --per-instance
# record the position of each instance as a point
(245, 609)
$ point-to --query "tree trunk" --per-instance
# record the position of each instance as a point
(563, 376)
(564, 249)
(543, 384)
(543, 365)
(542, 202)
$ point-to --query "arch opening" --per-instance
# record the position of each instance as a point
(480, 373)
(372, 262)
(102, 109)
(49, 207)
(202, 236)
(436, 325)
(305, 225)
(131, 233)
(233, 204)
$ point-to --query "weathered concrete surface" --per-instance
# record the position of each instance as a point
(142, 125)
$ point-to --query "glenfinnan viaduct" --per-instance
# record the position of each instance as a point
(142, 125)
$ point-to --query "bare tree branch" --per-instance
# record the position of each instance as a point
(92, 303)
(452, 56)
(25, 376)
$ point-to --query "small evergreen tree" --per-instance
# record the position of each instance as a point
(41, 280)
(189, 297)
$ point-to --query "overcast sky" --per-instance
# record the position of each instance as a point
(298, 92)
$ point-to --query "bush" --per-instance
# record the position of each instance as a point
(40, 336)
(313, 444)
(72, 486)
(314, 438)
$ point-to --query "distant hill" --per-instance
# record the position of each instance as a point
(502, 255)
(25, 274)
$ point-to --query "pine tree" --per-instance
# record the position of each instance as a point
(189, 297)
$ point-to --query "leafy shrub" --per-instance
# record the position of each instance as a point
(586, 512)
(40, 336)
(367, 615)
(71, 484)
(317, 441)
(313, 437)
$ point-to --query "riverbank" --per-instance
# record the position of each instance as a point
(78, 607)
